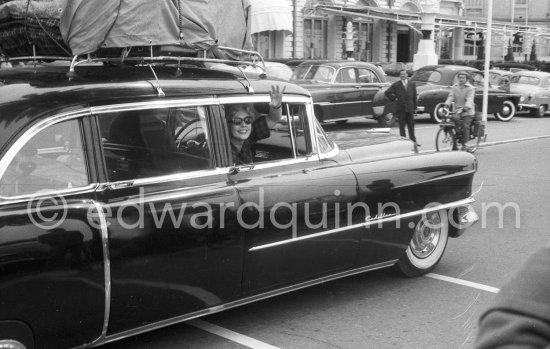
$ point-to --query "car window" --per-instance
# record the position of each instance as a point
(318, 73)
(494, 78)
(367, 76)
(477, 79)
(346, 76)
(154, 142)
(53, 159)
(324, 143)
(253, 141)
(528, 80)
(432, 76)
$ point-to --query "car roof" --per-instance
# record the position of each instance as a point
(337, 63)
(30, 93)
(538, 74)
(448, 67)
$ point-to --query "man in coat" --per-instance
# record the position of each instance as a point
(403, 93)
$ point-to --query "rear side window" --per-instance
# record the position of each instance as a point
(155, 142)
(52, 160)
(427, 76)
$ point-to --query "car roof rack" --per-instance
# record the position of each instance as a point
(153, 55)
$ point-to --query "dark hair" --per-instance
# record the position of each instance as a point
(465, 73)
(232, 109)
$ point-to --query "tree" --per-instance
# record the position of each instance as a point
(510, 53)
(533, 56)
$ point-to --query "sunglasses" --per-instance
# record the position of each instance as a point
(239, 121)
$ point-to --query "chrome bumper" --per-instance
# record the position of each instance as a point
(462, 218)
(528, 106)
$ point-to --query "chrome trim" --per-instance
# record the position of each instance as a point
(162, 103)
(169, 178)
(457, 174)
(35, 129)
(259, 98)
(420, 108)
(107, 272)
(7, 200)
(383, 219)
(244, 301)
(340, 103)
(523, 105)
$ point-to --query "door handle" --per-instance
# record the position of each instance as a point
(120, 185)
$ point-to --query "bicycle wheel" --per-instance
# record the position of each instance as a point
(445, 139)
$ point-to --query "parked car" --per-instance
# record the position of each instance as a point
(122, 211)
(513, 66)
(272, 70)
(340, 89)
(500, 78)
(434, 85)
(534, 87)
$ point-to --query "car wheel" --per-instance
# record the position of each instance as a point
(341, 122)
(437, 113)
(12, 344)
(427, 244)
(387, 120)
(507, 111)
(540, 111)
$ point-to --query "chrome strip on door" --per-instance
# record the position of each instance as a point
(366, 224)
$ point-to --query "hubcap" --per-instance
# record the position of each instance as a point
(426, 235)
(506, 110)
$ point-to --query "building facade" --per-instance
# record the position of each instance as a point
(390, 30)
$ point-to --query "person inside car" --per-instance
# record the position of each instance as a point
(462, 95)
(247, 126)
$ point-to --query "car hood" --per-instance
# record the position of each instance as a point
(380, 145)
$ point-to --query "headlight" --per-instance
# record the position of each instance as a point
(521, 99)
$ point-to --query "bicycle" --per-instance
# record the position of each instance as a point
(448, 136)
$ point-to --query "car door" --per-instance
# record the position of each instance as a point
(52, 260)
(370, 82)
(169, 211)
(290, 207)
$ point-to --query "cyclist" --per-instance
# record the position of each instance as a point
(462, 95)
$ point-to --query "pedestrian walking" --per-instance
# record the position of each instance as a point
(403, 93)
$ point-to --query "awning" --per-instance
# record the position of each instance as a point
(269, 15)
(441, 20)
(400, 16)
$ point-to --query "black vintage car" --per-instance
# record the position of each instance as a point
(341, 90)
(122, 211)
(434, 84)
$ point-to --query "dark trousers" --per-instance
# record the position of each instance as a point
(408, 118)
(463, 123)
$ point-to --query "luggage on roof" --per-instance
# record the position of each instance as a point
(78, 27)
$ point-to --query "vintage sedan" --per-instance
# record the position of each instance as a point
(534, 87)
(122, 211)
(340, 89)
(434, 84)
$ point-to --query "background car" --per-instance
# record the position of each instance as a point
(534, 87)
(123, 210)
(434, 85)
(273, 70)
(500, 78)
(340, 89)
(513, 66)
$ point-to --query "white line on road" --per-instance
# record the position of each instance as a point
(228, 334)
(463, 282)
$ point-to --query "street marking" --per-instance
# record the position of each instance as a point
(504, 141)
(463, 282)
(230, 335)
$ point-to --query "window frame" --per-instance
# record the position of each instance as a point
(287, 99)
(82, 117)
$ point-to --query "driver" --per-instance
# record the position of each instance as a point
(246, 126)
(462, 95)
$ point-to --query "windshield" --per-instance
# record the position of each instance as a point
(432, 76)
(318, 73)
(527, 80)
